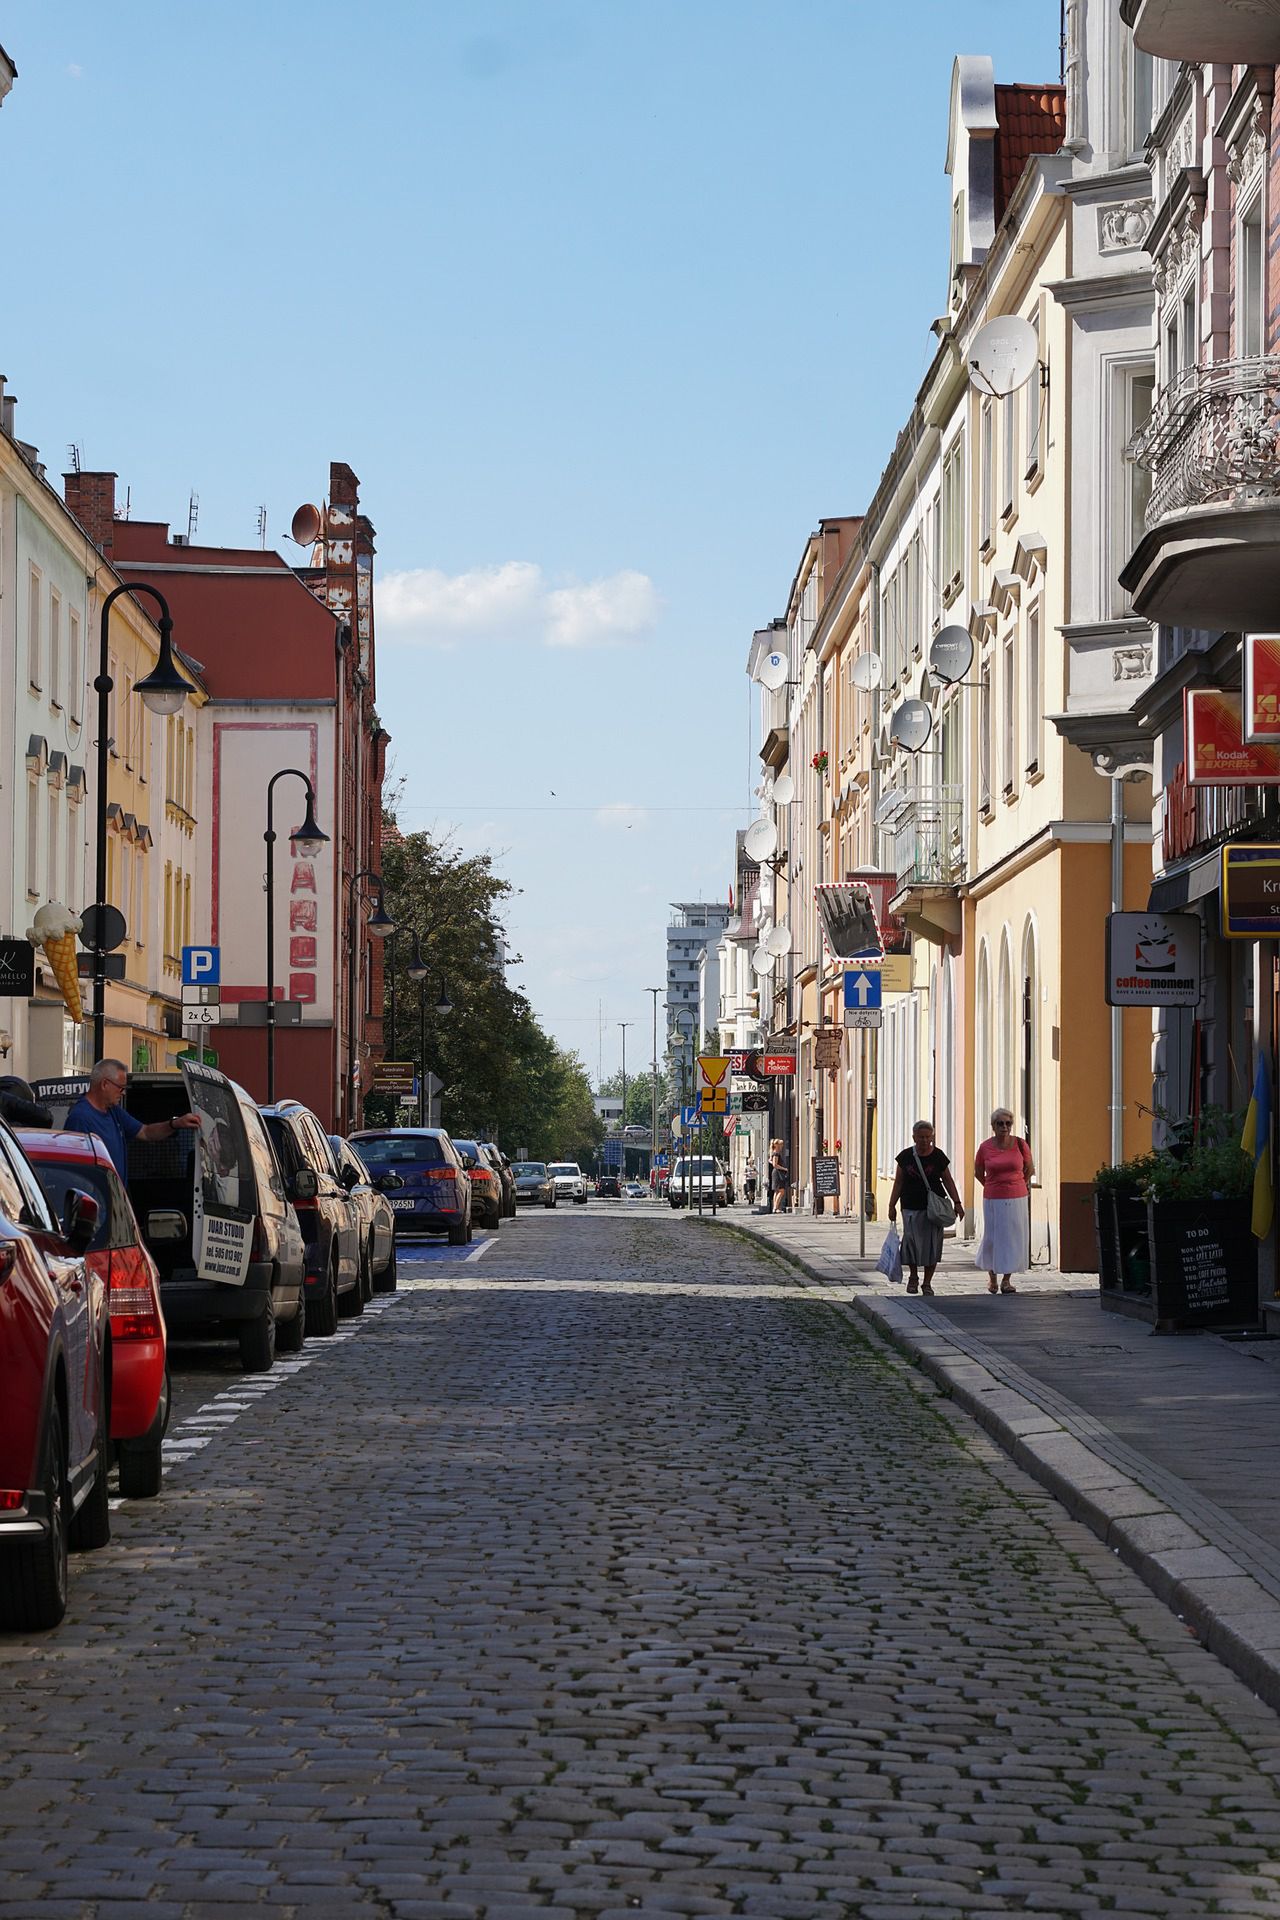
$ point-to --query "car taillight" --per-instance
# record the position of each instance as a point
(479, 1173)
(131, 1300)
(11, 1498)
(437, 1173)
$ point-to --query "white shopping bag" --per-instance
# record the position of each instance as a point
(890, 1261)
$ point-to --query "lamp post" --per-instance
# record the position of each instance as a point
(162, 692)
(418, 970)
(379, 925)
(309, 839)
(653, 1124)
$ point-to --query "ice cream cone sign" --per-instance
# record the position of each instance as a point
(55, 930)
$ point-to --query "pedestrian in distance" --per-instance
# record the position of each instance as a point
(924, 1185)
(779, 1178)
(99, 1111)
(749, 1178)
(1003, 1167)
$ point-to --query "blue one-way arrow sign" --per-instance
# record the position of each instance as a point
(861, 990)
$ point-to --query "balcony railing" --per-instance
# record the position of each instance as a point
(927, 835)
(1214, 439)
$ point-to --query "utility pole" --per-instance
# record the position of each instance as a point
(622, 1028)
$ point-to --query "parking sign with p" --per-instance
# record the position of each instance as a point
(201, 966)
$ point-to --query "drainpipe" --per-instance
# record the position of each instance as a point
(1117, 1017)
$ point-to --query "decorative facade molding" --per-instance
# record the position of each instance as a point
(1123, 227)
(1131, 663)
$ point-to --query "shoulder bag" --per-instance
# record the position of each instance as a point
(938, 1208)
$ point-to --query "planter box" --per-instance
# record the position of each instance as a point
(1178, 1263)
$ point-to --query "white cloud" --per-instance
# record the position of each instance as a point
(514, 601)
(621, 814)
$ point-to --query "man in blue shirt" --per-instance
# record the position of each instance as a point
(99, 1111)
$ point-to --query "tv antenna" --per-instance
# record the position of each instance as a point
(73, 454)
(262, 526)
(193, 515)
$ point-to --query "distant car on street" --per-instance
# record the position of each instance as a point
(609, 1186)
(377, 1221)
(534, 1185)
(434, 1195)
(635, 1190)
(486, 1186)
(506, 1179)
(329, 1217)
(570, 1181)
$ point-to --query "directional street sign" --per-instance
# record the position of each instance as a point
(862, 1016)
(201, 966)
(861, 990)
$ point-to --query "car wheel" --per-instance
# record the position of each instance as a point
(291, 1334)
(33, 1592)
(142, 1460)
(257, 1340)
(459, 1236)
(322, 1314)
(387, 1280)
(351, 1305)
(91, 1523)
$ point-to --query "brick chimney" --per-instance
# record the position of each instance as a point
(91, 497)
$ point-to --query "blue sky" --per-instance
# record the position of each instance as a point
(607, 304)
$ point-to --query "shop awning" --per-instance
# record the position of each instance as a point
(1192, 882)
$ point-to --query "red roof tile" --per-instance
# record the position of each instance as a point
(1031, 120)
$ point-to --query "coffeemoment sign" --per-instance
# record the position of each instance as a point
(1153, 960)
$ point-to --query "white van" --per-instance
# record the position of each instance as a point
(699, 1172)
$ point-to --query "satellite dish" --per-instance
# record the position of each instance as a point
(911, 725)
(762, 961)
(1004, 355)
(888, 807)
(772, 671)
(867, 672)
(784, 791)
(305, 525)
(951, 655)
(778, 939)
(760, 839)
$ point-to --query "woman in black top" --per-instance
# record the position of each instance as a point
(921, 1236)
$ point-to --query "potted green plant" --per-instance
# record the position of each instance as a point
(1174, 1236)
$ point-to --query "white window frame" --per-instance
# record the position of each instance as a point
(985, 795)
(953, 512)
(55, 648)
(986, 477)
(1251, 278)
(35, 660)
(51, 849)
(1131, 397)
(1033, 692)
(75, 666)
(33, 837)
(1009, 489)
(1009, 713)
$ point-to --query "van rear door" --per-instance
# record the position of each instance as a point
(223, 1184)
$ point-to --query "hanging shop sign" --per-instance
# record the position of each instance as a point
(827, 1044)
(1251, 891)
(1262, 689)
(783, 1065)
(1218, 755)
(1153, 959)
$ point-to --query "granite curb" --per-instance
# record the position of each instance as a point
(1184, 1560)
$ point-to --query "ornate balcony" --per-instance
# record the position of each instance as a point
(1241, 33)
(925, 832)
(1211, 555)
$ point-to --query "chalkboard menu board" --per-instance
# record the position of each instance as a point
(826, 1177)
(1204, 1262)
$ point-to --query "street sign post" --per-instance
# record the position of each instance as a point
(201, 1016)
(862, 1016)
(201, 966)
(861, 990)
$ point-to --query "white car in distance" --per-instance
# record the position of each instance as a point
(571, 1183)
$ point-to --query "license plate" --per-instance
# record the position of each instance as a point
(403, 1206)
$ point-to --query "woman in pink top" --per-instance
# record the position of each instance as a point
(1002, 1167)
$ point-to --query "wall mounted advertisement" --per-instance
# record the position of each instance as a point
(1251, 891)
(847, 911)
(1262, 688)
(1218, 755)
(1153, 960)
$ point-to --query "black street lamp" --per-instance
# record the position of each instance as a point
(309, 839)
(379, 924)
(162, 692)
(419, 970)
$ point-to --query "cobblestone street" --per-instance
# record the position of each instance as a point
(605, 1572)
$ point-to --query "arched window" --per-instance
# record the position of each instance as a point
(982, 1040)
(1004, 1084)
(946, 1057)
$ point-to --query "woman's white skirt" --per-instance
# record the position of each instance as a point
(1005, 1243)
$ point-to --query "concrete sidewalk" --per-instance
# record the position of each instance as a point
(1163, 1444)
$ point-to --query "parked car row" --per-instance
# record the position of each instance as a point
(254, 1222)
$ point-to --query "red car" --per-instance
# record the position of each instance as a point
(70, 1162)
(54, 1360)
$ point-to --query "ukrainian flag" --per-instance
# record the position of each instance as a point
(1256, 1141)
